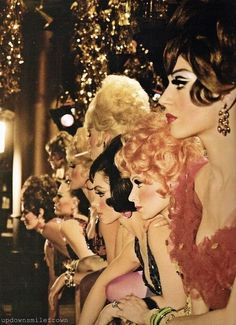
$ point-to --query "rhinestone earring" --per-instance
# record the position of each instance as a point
(223, 122)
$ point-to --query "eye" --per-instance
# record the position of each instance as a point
(137, 182)
(71, 165)
(179, 82)
(99, 193)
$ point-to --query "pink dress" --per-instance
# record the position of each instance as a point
(209, 268)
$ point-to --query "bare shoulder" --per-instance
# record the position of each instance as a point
(158, 233)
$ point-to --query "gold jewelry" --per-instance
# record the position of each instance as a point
(223, 122)
(115, 304)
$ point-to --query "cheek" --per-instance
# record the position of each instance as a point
(75, 173)
(103, 204)
(147, 195)
(92, 141)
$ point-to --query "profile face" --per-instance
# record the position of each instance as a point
(30, 220)
(148, 202)
(55, 160)
(94, 148)
(184, 117)
(76, 176)
(102, 192)
(64, 203)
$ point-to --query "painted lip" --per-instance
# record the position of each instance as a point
(138, 208)
(170, 118)
(127, 214)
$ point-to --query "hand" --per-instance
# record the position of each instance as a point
(133, 309)
(106, 315)
(55, 291)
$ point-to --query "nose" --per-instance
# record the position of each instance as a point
(132, 195)
(165, 98)
(95, 202)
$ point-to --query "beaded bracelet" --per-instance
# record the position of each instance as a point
(69, 278)
(69, 274)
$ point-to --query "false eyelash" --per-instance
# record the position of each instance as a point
(101, 194)
(179, 83)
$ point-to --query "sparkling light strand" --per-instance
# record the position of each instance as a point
(11, 44)
(98, 31)
(90, 53)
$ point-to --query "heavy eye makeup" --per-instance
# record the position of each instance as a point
(137, 182)
(181, 77)
(179, 81)
(99, 191)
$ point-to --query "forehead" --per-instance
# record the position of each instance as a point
(182, 66)
(101, 180)
(64, 187)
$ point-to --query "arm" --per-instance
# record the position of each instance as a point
(52, 232)
(226, 315)
(96, 299)
(49, 258)
(73, 232)
(172, 288)
(109, 234)
(57, 287)
(134, 308)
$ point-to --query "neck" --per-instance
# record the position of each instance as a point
(221, 154)
(40, 227)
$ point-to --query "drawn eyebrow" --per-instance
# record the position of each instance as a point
(181, 71)
(99, 188)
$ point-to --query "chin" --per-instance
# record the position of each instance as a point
(180, 133)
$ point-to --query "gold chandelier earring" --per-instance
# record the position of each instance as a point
(223, 122)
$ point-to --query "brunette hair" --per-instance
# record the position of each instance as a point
(38, 192)
(151, 152)
(203, 33)
(58, 144)
(120, 187)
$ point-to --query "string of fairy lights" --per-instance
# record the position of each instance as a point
(11, 46)
(98, 31)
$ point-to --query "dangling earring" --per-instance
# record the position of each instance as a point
(223, 122)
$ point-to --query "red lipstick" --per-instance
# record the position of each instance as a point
(170, 118)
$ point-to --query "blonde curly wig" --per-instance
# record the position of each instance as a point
(117, 105)
(151, 152)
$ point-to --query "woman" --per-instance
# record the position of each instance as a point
(200, 100)
(153, 176)
(38, 197)
(118, 234)
(56, 148)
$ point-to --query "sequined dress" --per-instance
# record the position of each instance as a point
(155, 286)
(209, 268)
